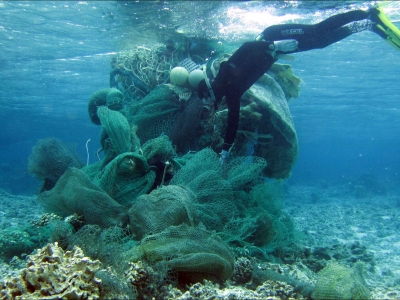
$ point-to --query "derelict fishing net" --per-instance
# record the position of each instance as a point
(168, 110)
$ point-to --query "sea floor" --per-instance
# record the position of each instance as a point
(332, 216)
(328, 216)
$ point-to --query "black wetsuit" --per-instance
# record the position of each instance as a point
(252, 59)
(235, 77)
(318, 35)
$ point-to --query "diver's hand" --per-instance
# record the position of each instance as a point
(286, 45)
(223, 158)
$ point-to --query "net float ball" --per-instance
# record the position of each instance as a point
(179, 76)
(195, 77)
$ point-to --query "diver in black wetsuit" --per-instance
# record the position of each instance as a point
(253, 59)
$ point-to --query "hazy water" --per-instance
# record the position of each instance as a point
(56, 54)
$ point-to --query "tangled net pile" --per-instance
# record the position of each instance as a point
(187, 212)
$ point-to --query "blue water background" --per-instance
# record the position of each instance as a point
(56, 54)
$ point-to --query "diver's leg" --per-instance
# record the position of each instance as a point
(384, 27)
(343, 32)
(318, 35)
(340, 20)
(300, 32)
(375, 21)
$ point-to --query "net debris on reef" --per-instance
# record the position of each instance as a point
(157, 216)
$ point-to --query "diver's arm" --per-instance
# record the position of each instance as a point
(236, 76)
(232, 125)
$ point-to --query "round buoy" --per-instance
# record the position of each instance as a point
(195, 77)
(179, 76)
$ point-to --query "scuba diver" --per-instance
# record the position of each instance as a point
(232, 78)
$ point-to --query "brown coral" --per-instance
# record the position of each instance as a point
(54, 274)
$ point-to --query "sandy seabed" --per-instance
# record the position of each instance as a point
(332, 215)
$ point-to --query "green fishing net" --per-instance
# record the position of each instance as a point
(193, 253)
(158, 149)
(163, 207)
(336, 281)
(167, 110)
(236, 200)
(186, 210)
(75, 193)
(109, 97)
(126, 177)
(101, 200)
(116, 137)
(118, 180)
(49, 159)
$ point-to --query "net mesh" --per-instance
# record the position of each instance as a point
(214, 188)
(75, 193)
(284, 76)
(164, 207)
(214, 205)
(168, 110)
(155, 114)
(110, 97)
(336, 281)
(184, 134)
(116, 137)
(193, 252)
(50, 158)
(126, 177)
(158, 149)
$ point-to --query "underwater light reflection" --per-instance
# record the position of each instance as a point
(253, 20)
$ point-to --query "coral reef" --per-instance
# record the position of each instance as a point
(243, 271)
(20, 240)
(272, 290)
(15, 242)
(145, 280)
(55, 274)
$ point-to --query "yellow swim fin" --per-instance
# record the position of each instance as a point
(385, 28)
